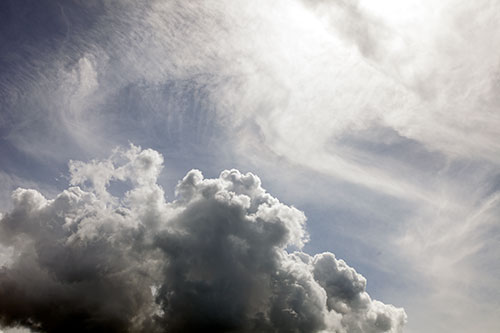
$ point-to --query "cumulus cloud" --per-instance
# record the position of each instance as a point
(396, 96)
(223, 256)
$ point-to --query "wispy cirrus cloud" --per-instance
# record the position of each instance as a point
(389, 108)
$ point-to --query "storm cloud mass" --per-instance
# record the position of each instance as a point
(214, 259)
(378, 119)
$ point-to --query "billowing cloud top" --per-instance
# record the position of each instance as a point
(111, 255)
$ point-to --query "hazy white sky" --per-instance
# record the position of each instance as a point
(378, 119)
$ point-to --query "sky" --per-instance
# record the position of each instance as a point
(322, 165)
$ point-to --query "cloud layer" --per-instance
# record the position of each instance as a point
(381, 113)
(218, 258)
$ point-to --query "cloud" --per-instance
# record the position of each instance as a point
(217, 258)
(244, 67)
(387, 99)
(355, 24)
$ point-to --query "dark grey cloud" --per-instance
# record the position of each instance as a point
(218, 258)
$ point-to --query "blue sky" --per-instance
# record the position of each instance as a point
(378, 119)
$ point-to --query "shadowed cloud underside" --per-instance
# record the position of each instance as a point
(217, 258)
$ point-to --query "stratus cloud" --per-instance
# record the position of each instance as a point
(215, 259)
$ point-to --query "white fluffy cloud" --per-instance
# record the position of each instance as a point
(217, 258)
